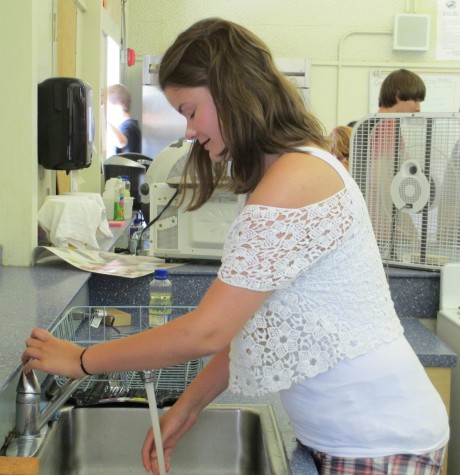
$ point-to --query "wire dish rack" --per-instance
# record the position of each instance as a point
(88, 325)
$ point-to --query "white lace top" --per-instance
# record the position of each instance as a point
(330, 297)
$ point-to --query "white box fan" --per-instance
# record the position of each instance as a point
(408, 169)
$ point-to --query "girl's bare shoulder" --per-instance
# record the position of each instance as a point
(295, 180)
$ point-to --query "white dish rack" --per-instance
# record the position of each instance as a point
(89, 325)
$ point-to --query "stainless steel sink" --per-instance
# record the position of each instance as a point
(226, 440)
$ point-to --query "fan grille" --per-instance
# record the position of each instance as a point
(380, 146)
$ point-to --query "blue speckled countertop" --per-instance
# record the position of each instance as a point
(431, 351)
(38, 296)
(30, 297)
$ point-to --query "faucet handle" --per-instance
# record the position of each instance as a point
(28, 395)
(28, 384)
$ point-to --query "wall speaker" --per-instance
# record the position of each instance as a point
(411, 32)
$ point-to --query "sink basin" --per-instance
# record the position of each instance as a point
(226, 440)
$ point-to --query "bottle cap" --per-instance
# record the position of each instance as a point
(161, 274)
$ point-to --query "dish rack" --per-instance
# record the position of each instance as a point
(89, 325)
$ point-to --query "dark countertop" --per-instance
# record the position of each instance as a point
(431, 351)
(415, 292)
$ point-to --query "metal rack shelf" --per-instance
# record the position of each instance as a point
(89, 325)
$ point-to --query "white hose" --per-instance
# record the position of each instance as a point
(156, 426)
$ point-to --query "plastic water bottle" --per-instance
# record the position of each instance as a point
(160, 298)
(135, 232)
(127, 186)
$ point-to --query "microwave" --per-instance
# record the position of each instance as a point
(180, 234)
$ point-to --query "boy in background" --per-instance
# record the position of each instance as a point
(124, 131)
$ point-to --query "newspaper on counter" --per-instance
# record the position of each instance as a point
(102, 262)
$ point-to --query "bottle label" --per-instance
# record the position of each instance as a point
(160, 308)
(119, 209)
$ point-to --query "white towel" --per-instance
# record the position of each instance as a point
(73, 220)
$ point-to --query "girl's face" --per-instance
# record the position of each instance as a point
(197, 106)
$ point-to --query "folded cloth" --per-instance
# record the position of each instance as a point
(103, 228)
(73, 220)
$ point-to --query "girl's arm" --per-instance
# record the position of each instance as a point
(206, 330)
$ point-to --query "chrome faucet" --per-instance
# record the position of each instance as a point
(31, 422)
(147, 376)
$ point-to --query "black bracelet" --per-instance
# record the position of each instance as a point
(82, 366)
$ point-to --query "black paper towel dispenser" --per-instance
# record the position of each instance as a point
(65, 123)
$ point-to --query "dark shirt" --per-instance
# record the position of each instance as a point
(131, 130)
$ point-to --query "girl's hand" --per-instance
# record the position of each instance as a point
(52, 355)
(174, 424)
(180, 418)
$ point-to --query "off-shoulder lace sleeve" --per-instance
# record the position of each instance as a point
(268, 247)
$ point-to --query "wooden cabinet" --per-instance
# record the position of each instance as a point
(441, 379)
(19, 465)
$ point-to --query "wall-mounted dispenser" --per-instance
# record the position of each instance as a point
(65, 124)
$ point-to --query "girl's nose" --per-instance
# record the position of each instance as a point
(190, 133)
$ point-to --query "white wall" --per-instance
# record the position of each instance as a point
(18, 125)
(344, 39)
(28, 58)
(45, 69)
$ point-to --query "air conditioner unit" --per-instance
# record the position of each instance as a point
(408, 169)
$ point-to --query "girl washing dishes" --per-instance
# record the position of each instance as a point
(301, 305)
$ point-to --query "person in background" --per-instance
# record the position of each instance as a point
(340, 143)
(301, 304)
(401, 91)
(123, 130)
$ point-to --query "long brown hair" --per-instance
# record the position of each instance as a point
(260, 111)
